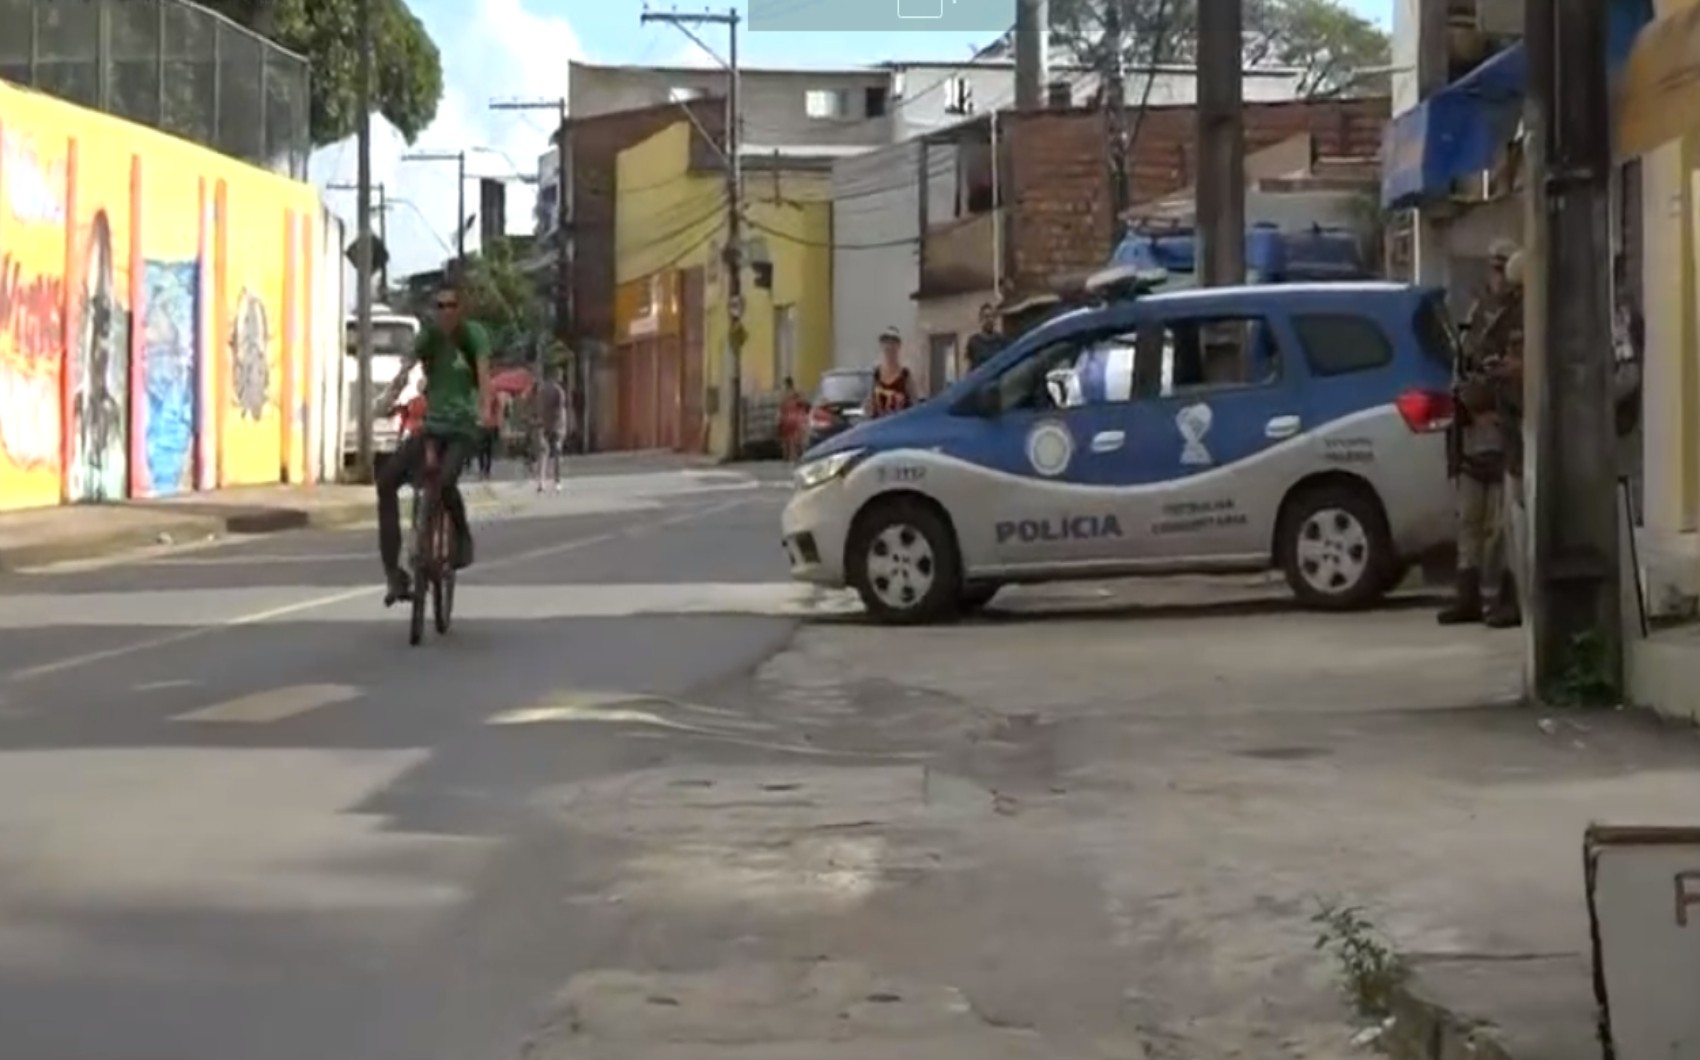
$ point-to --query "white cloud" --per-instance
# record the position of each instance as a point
(492, 49)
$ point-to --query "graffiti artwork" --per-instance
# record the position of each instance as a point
(32, 331)
(99, 363)
(169, 374)
(250, 367)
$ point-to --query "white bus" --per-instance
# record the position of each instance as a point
(393, 336)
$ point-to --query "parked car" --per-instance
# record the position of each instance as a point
(838, 403)
(1299, 427)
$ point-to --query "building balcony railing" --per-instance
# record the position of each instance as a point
(168, 64)
(958, 256)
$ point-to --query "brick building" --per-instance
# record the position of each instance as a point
(1050, 220)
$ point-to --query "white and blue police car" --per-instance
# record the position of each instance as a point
(1294, 426)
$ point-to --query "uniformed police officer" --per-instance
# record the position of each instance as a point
(1476, 448)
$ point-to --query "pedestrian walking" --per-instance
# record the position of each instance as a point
(984, 344)
(490, 433)
(550, 414)
(793, 421)
(894, 388)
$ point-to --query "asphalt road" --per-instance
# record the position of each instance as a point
(240, 817)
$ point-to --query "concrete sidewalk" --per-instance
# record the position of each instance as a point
(40, 536)
(1174, 796)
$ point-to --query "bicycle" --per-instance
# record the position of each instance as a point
(433, 558)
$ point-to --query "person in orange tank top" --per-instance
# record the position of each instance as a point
(894, 387)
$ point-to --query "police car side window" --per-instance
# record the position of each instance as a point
(1217, 353)
(1022, 386)
(1341, 343)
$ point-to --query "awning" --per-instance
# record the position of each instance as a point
(1458, 131)
(1658, 98)
(1461, 130)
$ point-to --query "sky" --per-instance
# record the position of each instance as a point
(519, 49)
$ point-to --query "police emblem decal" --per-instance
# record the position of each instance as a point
(1194, 423)
(1050, 447)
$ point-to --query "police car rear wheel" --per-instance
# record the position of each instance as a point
(904, 564)
(1336, 551)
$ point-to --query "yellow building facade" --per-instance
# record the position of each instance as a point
(671, 226)
(1658, 120)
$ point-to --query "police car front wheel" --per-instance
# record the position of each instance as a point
(1336, 550)
(904, 564)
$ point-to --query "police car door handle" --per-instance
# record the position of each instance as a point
(1281, 427)
(1108, 441)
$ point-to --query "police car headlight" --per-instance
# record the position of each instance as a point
(819, 472)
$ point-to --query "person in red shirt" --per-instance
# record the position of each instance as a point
(793, 421)
(413, 416)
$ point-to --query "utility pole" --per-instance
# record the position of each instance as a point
(381, 209)
(1115, 115)
(563, 246)
(459, 159)
(734, 210)
(1221, 144)
(363, 245)
(1032, 52)
(1571, 484)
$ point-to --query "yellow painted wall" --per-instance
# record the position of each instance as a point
(1670, 216)
(666, 217)
(153, 302)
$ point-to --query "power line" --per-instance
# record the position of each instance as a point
(830, 244)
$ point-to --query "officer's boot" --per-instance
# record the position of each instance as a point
(1506, 613)
(1466, 606)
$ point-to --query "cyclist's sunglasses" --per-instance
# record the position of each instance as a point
(447, 303)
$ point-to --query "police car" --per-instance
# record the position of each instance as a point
(1299, 426)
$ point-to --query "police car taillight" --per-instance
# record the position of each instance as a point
(1425, 411)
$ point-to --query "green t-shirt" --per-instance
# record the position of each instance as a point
(451, 381)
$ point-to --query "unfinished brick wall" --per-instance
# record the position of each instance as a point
(1058, 173)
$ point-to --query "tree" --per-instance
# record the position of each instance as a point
(1329, 44)
(407, 71)
(499, 295)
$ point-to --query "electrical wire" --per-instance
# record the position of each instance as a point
(830, 244)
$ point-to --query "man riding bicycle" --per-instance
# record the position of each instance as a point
(454, 355)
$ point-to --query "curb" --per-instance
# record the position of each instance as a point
(189, 522)
(1423, 1029)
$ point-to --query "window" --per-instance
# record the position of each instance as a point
(1211, 353)
(1342, 343)
(826, 103)
(1435, 331)
(389, 337)
(874, 101)
(683, 94)
(959, 96)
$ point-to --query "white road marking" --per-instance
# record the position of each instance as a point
(274, 704)
(184, 636)
(176, 608)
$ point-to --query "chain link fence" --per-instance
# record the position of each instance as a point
(168, 64)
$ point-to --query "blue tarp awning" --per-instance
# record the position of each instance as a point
(1460, 130)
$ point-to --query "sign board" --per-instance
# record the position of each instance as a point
(380, 254)
(1644, 906)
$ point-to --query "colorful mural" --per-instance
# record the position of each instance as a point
(169, 373)
(153, 300)
(35, 185)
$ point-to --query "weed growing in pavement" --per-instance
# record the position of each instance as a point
(1586, 679)
(1370, 971)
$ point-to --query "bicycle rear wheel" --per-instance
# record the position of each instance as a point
(423, 581)
(443, 585)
